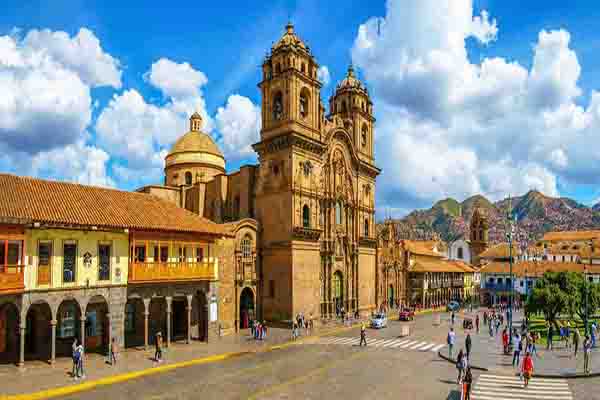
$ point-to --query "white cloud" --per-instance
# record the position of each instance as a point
(133, 129)
(323, 75)
(239, 124)
(483, 29)
(176, 80)
(81, 54)
(492, 127)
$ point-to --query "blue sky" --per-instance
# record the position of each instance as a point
(224, 43)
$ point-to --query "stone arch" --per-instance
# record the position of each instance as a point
(247, 307)
(68, 325)
(188, 178)
(10, 321)
(304, 103)
(134, 321)
(97, 314)
(38, 331)
(337, 288)
(306, 216)
(278, 106)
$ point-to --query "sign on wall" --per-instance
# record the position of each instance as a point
(213, 312)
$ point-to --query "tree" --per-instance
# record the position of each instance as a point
(577, 303)
(552, 295)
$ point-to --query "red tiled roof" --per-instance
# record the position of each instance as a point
(423, 247)
(571, 235)
(537, 268)
(27, 200)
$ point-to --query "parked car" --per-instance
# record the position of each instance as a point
(406, 315)
(452, 306)
(379, 321)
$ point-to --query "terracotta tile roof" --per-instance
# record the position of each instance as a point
(537, 268)
(422, 265)
(571, 235)
(500, 250)
(423, 247)
(29, 200)
(566, 248)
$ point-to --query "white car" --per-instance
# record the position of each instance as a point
(379, 321)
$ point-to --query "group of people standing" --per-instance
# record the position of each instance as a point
(258, 329)
(302, 323)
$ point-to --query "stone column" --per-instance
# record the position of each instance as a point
(53, 353)
(22, 345)
(82, 331)
(146, 316)
(109, 325)
(189, 318)
(168, 299)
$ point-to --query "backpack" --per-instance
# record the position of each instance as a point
(76, 355)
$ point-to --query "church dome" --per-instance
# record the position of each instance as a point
(351, 82)
(195, 153)
(289, 38)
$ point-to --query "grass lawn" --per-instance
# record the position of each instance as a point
(538, 324)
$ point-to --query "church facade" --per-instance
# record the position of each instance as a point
(304, 217)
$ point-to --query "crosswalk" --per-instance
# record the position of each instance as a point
(396, 343)
(500, 387)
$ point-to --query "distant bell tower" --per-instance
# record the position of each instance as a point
(479, 234)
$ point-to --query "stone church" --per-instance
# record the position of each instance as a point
(304, 217)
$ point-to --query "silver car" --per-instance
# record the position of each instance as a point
(379, 321)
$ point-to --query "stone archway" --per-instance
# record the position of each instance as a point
(247, 308)
(157, 319)
(68, 327)
(202, 315)
(391, 298)
(38, 332)
(97, 325)
(134, 322)
(9, 333)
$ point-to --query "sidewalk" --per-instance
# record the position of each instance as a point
(487, 353)
(39, 375)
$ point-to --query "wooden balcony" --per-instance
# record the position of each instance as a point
(43, 274)
(12, 279)
(151, 272)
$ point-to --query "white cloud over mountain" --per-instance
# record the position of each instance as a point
(493, 127)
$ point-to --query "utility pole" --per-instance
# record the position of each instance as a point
(585, 289)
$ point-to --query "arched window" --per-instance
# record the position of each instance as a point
(363, 136)
(188, 178)
(304, 104)
(306, 216)
(338, 213)
(246, 247)
(366, 227)
(303, 68)
(278, 106)
(344, 108)
(459, 253)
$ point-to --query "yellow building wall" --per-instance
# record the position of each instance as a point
(367, 266)
(87, 242)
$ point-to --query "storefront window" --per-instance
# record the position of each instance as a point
(66, 327)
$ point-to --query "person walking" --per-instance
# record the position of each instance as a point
(158, 347)
(527, 369)
(294, 329)
(75, 357)
(477, 323)
(468, 345)
(453, 317)
(550, 336)
(587, 352)
(450, 340)
(594, 332)
(113, 351)
(534, 339)
(505, 341)
(491, 327)
(516, 342)
(576, 340)
(264, 330)
(363, 335)
(467, 383)
(80, 355)
(461, 364)
(252, 328)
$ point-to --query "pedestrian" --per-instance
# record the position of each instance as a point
(587, 353)
(264, 330)
(75, 357)
(158, 347)
(461, 364)
(453, 317)
(517, 347)
(534, 339)
(485, 317)
(477, 323)
(252, 328)
(527, 369)
(80, 370)
(568, 335)
(467, 382)
(498, 323)
(450, 340)
(594, 331)
(550, 336)
(294, 329)
(505, 341)
(576, 340)
(113, 352)
(468, 345)
(363, 335)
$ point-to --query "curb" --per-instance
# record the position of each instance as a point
(541, 376)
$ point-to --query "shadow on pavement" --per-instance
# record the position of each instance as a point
(447, 381)
(453, 395)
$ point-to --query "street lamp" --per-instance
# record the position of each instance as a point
(509, 235)
(585, 288)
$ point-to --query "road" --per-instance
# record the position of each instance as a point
(337, 368)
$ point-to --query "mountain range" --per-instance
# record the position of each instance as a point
(535, 214)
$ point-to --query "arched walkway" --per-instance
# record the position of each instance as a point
(134, 322)
(157, 320)
(38, 332)
(202, 316)
(68, 327)
(9, 333)
(96, 326)
(391, 298)
(246, 307)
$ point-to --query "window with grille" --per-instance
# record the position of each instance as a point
(306, 216)
(103, 262)
(69, 262)
(247, 248)
(199, 254)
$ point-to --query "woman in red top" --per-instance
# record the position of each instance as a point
(505, 341)
(527, 368)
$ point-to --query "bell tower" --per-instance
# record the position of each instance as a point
(291, 99)
(479, 234)
(352, 103)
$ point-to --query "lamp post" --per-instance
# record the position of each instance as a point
(585, 288)
(510, 234)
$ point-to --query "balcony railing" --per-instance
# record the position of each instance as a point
(147, 272)
(12, 279)
(458, 282)
(497, 286)
(434, 285)
(446, 283)
(43, 275)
